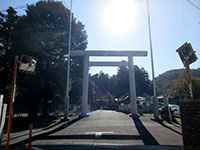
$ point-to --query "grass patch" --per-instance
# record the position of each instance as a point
(178, 120)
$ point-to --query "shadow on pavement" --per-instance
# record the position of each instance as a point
(58, 129)
(170, 128)
(21, 135)
(146, 136)
(39, 136)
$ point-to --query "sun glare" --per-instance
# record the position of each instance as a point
(119, 16)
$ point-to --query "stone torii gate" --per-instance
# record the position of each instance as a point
(87, 64)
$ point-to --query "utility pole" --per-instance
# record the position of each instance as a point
(152, 61)
(68, 62)
(190, 108)
(188, 56)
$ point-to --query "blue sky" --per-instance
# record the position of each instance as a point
(173, 22)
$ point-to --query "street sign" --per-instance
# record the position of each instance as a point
(187, 54)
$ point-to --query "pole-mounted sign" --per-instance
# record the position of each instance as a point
(27, 64)
(187, 54)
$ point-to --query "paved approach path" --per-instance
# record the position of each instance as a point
(105, 122)
(110, 127)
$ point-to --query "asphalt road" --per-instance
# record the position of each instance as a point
(112, 130)
(101, 127)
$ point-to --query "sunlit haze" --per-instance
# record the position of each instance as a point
(122, 25)
(118, 16)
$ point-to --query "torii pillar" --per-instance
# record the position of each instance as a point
(84, 102)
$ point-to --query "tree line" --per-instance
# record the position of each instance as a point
(118, 85)
(42, 33)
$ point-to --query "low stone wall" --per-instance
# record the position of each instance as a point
(190, 114)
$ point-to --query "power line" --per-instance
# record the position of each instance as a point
(193, 4)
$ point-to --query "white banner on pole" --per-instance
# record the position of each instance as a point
(1, 106)
(3, 119)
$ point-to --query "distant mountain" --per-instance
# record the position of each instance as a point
(164, 79)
